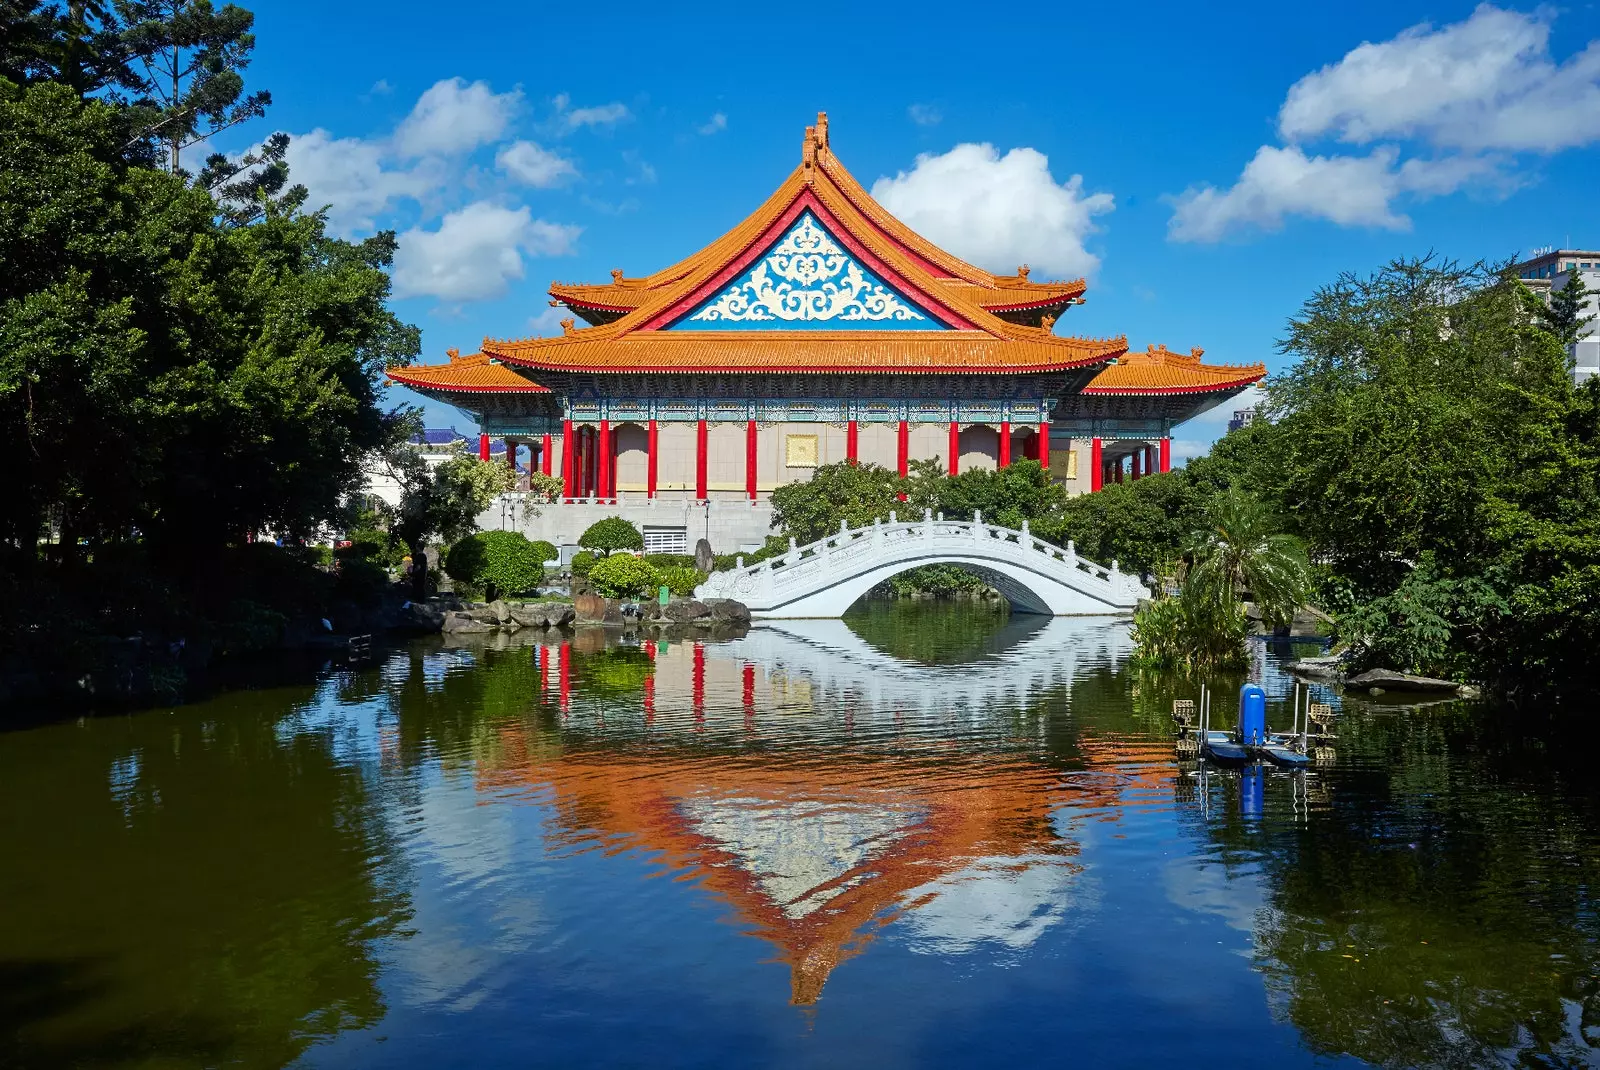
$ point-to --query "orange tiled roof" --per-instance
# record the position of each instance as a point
(1158, 370)
(472, 374)
(950, 289)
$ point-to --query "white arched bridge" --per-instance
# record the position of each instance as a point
(823, 578)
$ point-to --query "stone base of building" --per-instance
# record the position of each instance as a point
(669, 526)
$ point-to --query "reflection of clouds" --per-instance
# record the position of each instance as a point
(1008, 901)
(793, 849)
(1208, 889)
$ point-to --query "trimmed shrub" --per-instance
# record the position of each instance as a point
(500, 562)
(681, 580)
(624, 576)
(545, 550)
(611, 534)
(582, 562)
(670, 560)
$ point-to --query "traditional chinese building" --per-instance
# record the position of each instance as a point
(820, 329)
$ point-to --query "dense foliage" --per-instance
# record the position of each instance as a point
(611, 534)
(624, 576)
(497, 562)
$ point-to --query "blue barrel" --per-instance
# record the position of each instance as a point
(1252, 715)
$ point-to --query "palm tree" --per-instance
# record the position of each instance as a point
(1241, 551)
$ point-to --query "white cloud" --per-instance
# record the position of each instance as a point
(380, 88)
(1469, 94)
(997, 211)
(354, 179)
(1486, 83)
(716, 124)
(454, 116)
(534, 166)
(600, 115)
(925, 114)
(475, 253)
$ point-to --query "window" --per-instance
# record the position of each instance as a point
(666, 540)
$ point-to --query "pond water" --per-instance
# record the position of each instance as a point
(922, 836)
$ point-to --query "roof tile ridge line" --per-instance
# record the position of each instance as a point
(714, 257)
(891, 222)
(968, 307)
(681, 268)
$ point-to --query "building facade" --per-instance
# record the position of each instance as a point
(1553, 270)
(820, 329)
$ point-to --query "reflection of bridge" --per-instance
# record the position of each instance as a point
(824, 578)
(1028, 658)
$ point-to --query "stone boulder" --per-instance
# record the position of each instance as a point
(589, 609)
(1388, 680)
(704, 559)
(462, 623)
(543, 614)
(420, 617)
(729, 611)
(686, 610)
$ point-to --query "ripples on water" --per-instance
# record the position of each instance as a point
(925, 836)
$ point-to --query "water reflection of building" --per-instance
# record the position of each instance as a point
(823, 788)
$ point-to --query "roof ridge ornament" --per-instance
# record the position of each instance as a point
(1022, 272)
(569, 326)
(453, 353)
(616, 276)
(816, 138)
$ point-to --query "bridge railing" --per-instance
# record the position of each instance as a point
(887, 539)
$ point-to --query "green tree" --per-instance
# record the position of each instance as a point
(500, 562)
(440, 502)
(1240, 550)
(1566, 314)
(624, 576)
(857, 494)
(192, 55)
(610, 534)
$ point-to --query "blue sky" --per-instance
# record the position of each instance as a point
(1228, 160)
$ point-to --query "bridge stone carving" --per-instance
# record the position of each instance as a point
(823, 578)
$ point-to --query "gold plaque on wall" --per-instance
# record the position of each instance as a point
(800, 451)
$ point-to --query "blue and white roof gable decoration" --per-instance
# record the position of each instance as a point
(807, 281)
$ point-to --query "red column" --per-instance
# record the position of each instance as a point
(1166, 455)
(591, 464)
(1117, 471)
(955, 448)
(1097, 471)
(850, 440)
(904, 450)
(483, 447)
(1044, 444)
(650, 464)
(750, 459)
(511, 458)
(1005, 444)
(544, 456)
(700, 446)
(1138, 466)
(603, 460)
(567, 489)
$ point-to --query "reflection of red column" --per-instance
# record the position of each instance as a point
(567, 489)
(955, 448)
(544, 456)
(566, 675)
(749, 695)
(650, 464)
(1005, 444)
(650, 685)
(699, 685)
(750, 459)
(1044, 443)
(1097, 471)
(544, 669)
(1166, 455)
(851, 442)
(700, 446)
(603, 461)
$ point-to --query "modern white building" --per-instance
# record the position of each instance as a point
(1550, 271)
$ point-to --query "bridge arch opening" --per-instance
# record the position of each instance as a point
(1021, 598)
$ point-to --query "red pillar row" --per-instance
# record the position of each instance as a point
(700, 446)
(1097, 472)
(955, 448)
(750, 459)
(568, 490)
(650, 464)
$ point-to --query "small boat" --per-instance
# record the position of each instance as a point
(1219, 748)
